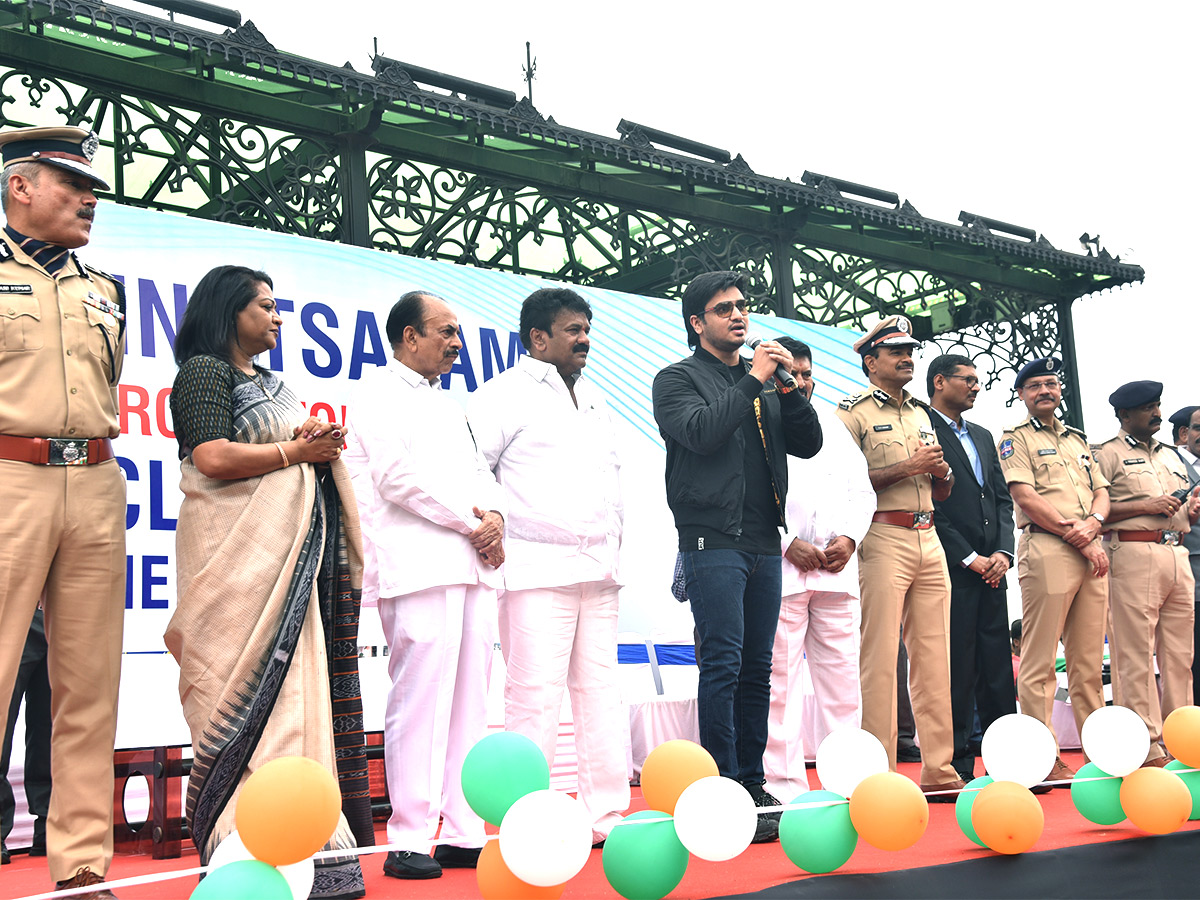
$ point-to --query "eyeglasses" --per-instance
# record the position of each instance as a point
(724, 309)
(1045, 383)
(971, 380)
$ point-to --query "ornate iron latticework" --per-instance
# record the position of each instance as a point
(227, 127)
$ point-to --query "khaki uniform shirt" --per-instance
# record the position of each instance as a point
(1056, 461)
(61, 349)
(889, 432)
(1138, 471)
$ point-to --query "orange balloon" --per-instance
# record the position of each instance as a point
(1181, 734)
(670, 769)
(497, 882)
(1155, 800)
(889, 811)
(1007, 817)
(288, 810)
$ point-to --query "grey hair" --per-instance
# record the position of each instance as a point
(30, 170)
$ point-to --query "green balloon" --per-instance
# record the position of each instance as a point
(501, 769)
(1097, 801)
(644, 862)
(966, 802)
(1192, 780)
(246, 879)
(818, 839)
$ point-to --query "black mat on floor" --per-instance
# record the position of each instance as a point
(1164, 866)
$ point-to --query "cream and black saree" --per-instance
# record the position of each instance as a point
(265, 633)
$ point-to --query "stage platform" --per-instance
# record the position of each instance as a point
(1073, 858)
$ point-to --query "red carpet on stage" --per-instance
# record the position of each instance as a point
(1073, 858)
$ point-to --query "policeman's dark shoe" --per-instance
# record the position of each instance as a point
(767, 828)
(407, 864)
(946, 792)
(84, 878)
(908, 754)
(39, 838)
(456, 857)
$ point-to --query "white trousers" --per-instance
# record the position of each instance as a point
(823, 626)
(567, 637)
(441, 643)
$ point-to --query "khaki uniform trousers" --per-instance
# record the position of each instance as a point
(1060, 598)
(1151, 613)
(902, 574)
(62, 531)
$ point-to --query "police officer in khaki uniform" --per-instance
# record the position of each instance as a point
(62, 522)
(1062, 501)
(902, 572)
(1151, 606)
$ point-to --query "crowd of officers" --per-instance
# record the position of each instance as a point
(1103, 546)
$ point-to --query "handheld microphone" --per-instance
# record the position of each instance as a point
(782, 375)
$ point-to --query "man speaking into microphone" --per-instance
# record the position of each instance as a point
(728, 428)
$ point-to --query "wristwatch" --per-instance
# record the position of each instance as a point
(1099, 518)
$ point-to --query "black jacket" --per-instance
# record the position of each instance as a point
(699, 410)
(974, 517)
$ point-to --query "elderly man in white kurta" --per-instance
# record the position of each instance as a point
(829, 508)
(547, 435)
(436, 523)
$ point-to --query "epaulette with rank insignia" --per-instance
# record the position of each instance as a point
(852, 399)
(118, 285)
(1078, 431)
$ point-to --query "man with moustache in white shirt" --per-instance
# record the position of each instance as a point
(828, 513)
(434, 516)
(546, 432)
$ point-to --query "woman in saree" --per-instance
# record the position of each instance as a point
(269, 558)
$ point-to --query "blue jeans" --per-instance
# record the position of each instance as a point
(735, 602)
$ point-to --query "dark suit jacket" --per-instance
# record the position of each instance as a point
(974, 517)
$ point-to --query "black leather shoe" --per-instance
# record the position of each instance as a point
(908, 754)
(456, 857)
(5, 858)
(767, 828)
(408, 864)
(39, 838)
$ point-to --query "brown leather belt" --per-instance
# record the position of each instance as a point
(1038, 529)
(917, 520)
(1170, 538)
(56, 451)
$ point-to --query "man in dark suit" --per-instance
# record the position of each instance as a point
(1185, 430)
(975, 525)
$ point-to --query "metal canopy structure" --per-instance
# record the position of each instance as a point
(227, 127)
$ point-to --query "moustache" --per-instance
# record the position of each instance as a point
(86, 213)
(580, 348)
(450, 354)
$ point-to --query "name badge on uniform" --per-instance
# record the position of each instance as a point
(1134, 462)
(1047, 451)
(1006, 448)
(102, 303)
(16, 288)
(882, 428)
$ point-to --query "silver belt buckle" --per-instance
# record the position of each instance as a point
(66, 452)
(1172, 538)
(922, 519)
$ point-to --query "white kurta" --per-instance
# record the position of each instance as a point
(828, 495)
(559, 469)
(411, 448)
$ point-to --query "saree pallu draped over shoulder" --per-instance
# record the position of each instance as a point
(265, 633)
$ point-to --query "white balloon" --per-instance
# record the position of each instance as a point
(715, 818)
(1018, 748)
(1115, 739)
(545, 838)
(846, 757)
(231, 849)
(299, 877)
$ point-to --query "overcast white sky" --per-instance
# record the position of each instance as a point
(1062, 117)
